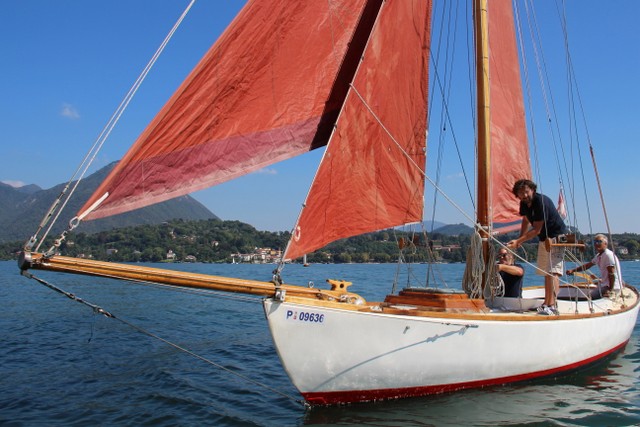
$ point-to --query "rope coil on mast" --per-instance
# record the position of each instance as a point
(472, 279)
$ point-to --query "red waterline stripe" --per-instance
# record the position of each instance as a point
(352, 396)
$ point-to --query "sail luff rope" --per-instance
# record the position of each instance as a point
(99, 310)
(106, 131)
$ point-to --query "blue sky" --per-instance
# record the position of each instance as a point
(67, 65)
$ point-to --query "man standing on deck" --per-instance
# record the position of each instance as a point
(541, 218)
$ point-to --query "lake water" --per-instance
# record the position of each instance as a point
(61, 364)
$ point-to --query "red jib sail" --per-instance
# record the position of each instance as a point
(509, 147)
(269, 89)
(372, 174)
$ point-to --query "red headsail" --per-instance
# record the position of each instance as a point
(269, 89)
(372, 174)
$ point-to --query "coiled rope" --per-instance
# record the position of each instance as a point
(472, 279)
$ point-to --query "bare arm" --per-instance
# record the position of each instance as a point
(581, 268)
(612, 275)
(526, 233)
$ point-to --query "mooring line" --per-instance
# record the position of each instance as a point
(100, 310)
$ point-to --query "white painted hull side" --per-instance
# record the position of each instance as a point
(339, 356)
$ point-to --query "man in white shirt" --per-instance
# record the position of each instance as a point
(607, 261)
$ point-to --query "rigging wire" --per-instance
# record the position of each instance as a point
(573, 126)
(99, 310)
(575, 105)
(99, 142)
(549, 103)
(448, 70)
(530, 96)
(445, 93)
(544, 81)
(606, 217)
(588, 137)
(442, 85)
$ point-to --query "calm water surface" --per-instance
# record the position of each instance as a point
(61, 364)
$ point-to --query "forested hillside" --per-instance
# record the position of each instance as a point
(214, 240)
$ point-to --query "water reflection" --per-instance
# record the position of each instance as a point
(607, 394)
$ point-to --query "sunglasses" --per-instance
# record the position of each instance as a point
(502, 255)
(598, 241)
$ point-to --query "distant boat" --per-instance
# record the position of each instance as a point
(304, 261)
(352, 75)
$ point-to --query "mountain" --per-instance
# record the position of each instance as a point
(454, 229)
(432, 225)
(22, 209)
(29, 189)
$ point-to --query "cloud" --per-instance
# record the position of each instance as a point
(69, 112)
(14, 184)
(455, 176)
(266, 171)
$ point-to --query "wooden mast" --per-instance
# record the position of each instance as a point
(481, 32)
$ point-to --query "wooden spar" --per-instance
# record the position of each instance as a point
(482, 81)
(484, 133)
(182, 279)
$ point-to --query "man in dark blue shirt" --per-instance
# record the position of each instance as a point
(541, 218)
(511, 274)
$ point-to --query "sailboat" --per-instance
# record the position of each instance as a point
(360, 89)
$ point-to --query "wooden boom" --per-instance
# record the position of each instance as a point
(182, 279)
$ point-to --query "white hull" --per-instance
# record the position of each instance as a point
(338, 356)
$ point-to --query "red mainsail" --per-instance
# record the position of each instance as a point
(269, 89)
(372, 173)
(509, 147)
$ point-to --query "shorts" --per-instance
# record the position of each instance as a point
(550, 262)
